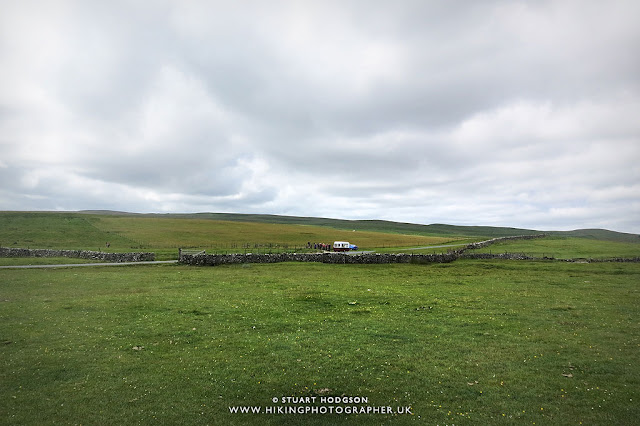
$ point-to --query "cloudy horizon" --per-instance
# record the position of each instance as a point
(498, 113)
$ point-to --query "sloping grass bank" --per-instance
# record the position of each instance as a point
(566, 248)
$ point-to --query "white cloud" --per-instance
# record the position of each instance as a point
(497, 113)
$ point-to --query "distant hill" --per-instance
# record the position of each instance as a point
(389, 226)
(599, 234)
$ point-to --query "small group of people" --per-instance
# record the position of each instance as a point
(318, 246)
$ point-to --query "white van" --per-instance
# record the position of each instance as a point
(341, 246)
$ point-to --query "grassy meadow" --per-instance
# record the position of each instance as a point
(566, 248)
(164, 235)
(206, 233)
(472, 342)
(469, 342)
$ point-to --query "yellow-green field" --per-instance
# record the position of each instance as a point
(169, 232)
(164, 235)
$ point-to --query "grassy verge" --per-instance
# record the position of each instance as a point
(472, 342)
(443, 247)
(12, 261)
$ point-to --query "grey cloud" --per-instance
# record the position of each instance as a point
(499, 112)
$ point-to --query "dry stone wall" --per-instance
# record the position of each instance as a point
(523, 256)
(335, 258)
(486, 243)
(79, 254)
(203, 259)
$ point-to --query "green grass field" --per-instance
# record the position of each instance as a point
(164, 235)
(202, 233)
(15, 261)
(566, 248)
(470, 342)
(70, 231)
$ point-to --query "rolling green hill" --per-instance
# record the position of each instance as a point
(155, 232)
(600, 234)
(92, 229)
(441, 230)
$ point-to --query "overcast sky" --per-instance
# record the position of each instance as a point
(504, 113)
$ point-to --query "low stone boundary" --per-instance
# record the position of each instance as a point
(335, 258)
(522, 256)
(613, 259)
(504, 256)
(367, 258)
(483, 244)
(203, 259)
(78, 254)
